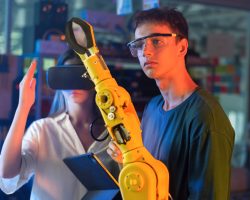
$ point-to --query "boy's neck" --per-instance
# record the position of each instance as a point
(176, 89)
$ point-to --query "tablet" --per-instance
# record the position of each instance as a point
(94, 176)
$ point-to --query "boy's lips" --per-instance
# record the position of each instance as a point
(149, 63)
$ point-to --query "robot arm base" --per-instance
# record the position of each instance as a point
(138, 181)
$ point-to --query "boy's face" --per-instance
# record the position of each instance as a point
(159, 56)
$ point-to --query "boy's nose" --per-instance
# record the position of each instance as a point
(147, 48)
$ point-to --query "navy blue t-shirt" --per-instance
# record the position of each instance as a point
(195, 141)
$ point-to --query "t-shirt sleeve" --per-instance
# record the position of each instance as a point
(29, 153)
(210, 164)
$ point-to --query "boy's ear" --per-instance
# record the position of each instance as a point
(183, 47)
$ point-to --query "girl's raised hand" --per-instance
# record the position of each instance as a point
(27, 87)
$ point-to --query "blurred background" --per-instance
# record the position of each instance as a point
(218, 58)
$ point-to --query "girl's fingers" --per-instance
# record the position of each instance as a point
(33, 83)
(31, 70)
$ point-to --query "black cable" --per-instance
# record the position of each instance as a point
(92, 134)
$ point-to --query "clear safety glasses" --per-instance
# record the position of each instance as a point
(157, 40)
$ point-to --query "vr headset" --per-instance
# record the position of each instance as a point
(68, 77)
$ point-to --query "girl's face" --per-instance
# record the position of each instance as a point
(77, 96)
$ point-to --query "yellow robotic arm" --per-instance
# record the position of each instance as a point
(142, 176)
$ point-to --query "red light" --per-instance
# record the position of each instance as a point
(62, 37)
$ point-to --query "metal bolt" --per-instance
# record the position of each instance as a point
(112, 109)
(111, 116)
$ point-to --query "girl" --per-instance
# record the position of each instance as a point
(48, 141)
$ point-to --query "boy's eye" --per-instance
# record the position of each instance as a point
(157, 41)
